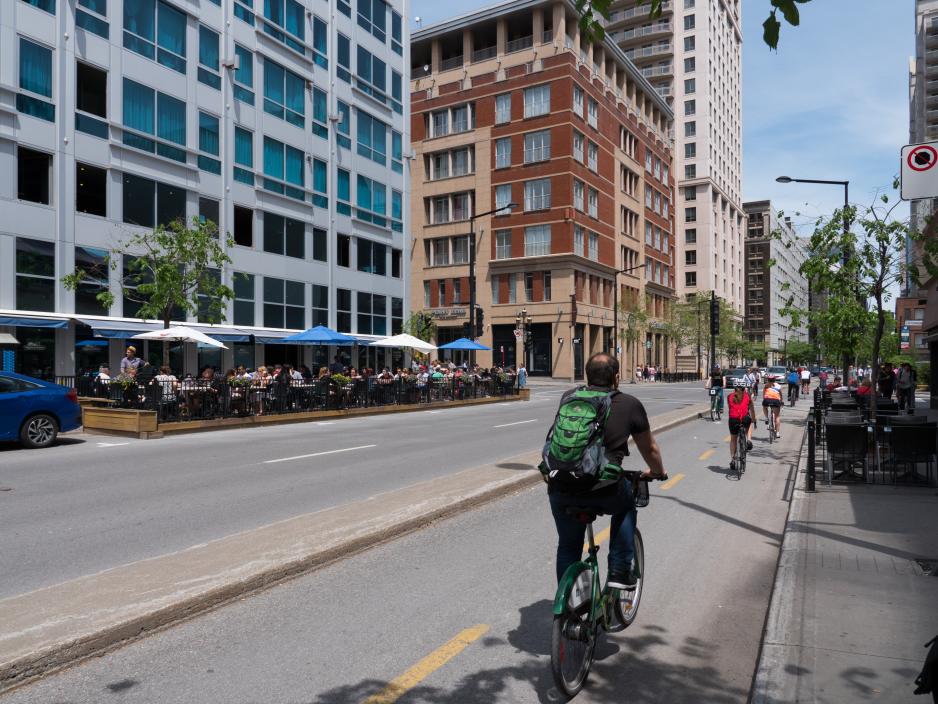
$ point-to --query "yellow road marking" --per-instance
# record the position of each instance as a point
(599, 538)
(399, 686)
(706, 454)
(672, 481)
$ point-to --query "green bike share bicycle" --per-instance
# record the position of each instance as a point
(583, 608)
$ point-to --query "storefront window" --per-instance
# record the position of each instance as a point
(90, 353)
(35, 275)
(210, 357)
(243, 354)
(36, 353)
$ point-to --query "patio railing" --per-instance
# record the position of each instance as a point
(207, 399)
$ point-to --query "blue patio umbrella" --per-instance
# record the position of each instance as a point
(464, 343)
(321, 335)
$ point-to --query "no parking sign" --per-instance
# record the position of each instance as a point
(919, 172)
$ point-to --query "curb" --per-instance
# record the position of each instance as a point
(769, 672)
(120, 623)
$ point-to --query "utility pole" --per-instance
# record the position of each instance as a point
(714, 326)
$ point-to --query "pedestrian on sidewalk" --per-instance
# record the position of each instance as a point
(905, 388)
(522, 376)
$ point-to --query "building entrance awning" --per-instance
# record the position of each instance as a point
(30, 322)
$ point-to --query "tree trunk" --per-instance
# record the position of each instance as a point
(877, 340)
(166, 316)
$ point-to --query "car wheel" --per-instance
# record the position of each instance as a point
(38, 431)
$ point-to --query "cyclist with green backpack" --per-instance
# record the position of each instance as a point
(582, 465)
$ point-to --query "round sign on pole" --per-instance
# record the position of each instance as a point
(922, 158)
(919, 171)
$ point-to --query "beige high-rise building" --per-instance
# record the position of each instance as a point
(513, 109)
(692, 55)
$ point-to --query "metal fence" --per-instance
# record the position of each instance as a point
(199, 399)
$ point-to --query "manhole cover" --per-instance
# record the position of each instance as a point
(929, 567)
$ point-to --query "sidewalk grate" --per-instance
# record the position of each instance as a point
(929, 567)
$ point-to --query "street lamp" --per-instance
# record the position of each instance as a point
(472, 268)
(522, 321)
(846, 254)
(615, 310)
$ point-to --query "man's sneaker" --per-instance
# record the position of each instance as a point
(748, 445)
(621, 580)
(778, 435)
(732, 465)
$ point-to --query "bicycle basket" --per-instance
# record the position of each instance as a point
(714, 391)
(641, 495)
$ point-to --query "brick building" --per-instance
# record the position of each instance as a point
(508, 107)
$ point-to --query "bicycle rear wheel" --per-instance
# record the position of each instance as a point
(741, 452)
(573, 641)
(627, 602)
(713, 408)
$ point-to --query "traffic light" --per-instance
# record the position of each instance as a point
(714, 316)
(480, 322)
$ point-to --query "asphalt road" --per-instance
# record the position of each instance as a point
(94, 502)
(485, 578)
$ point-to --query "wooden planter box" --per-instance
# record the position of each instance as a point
(121, 421)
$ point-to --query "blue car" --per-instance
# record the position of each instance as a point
(35, 411)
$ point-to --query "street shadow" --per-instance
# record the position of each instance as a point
(725, 471)
(776, 537)
(515, 465)
(625, 669)
(10, 446)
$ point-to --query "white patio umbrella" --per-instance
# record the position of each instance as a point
(179, 334)
(404, 340)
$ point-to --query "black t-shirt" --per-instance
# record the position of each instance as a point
(626, 418)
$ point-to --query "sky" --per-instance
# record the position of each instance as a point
(831, 103)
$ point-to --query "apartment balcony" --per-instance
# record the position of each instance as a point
(519, 44)
(635, 33)
(931, 63)
(640, 12)
(645, 52)
(489, 52)
(664, 90)
(653, 71)
(451, 63)
(931, 117)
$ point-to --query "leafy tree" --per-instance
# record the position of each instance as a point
(635, 317)
(172, 270)
(593, 12)
(421, 325)
(800, 352)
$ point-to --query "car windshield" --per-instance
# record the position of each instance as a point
(736, 373)
(777, 370)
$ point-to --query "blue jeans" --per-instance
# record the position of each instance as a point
(571, 532)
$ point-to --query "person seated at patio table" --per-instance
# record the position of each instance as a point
(385, 377)
(324, 373)
(835, 384)
(104, 373)
(865, 388)
(168, 382)
(242, 373)
(353, 373)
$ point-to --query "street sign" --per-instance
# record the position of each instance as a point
(919, 171)
(517, 333)
(904, 338)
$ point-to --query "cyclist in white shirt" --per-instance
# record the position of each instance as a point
(805, 380)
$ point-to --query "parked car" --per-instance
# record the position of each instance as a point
(776, 373)
(35, 411)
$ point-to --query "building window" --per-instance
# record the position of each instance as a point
(157, 31)
(537, 240)
(690, 43)
(243, 226)
(577, 100)
(209, 210)
(320, 184)
(208, 58)
(396, 33)
(511, 288)
(690, 214)
(537, 194)
(92, 263)
(243, 308)
(397, 92)
(689, 22)
(244, 75)
(90, 189)
(578, 195)
(690, 107)
(537, 100)
(284, 164)
(209, 143)
(592, 113)
(36, 79)
(284, 304)
(690, 65)
(690, 193)
(372, 257)
(690, 129)
(343, 307)
(592, 157)
(35, 275)
(244, 156)
(690, 150)
(372, 314)
(285, 15)
(372, 74)
(503, 244)
(397, 263)
(344, 125)
(320, 113)
(371, 201)
(46, 5)
(536, 146)
(372, 17)
(372, 137)
(502, 108)
(284, 94)
(578, 142)
(593, 251)
(344, 250)
(690, 257)
(529, 287)
(284, 236)
(593, 202)
(547, 285)
(149, 112)
(91, 99)
(461, 250)
(461, 162)
(33, 175)
(690, 279)
(503, 153)
(690, 85)
(320, 307)
(690, 171)
(578, 240)
(502, 197)
(343, 58)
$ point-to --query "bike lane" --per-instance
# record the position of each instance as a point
(460, 612)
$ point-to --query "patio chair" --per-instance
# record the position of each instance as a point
(909, 445)
(848, 449)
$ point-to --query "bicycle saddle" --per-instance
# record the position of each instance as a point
(584, 514)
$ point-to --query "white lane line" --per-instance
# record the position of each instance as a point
(520, 422)
(318, 454)
(112, 444)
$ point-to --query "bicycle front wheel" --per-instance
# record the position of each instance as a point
(626, 605)
(573, 642)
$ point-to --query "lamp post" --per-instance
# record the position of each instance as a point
(522, 321)
(846, 254)
(472, 270)
(615, 311)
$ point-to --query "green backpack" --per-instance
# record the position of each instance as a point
(574, 458)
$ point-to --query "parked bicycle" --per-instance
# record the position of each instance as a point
(582, 608)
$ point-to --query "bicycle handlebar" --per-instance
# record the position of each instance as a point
(635, 475)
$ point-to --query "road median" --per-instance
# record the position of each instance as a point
(56, 626)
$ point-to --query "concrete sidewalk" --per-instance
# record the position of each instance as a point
(855, 596)
(54, 626)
